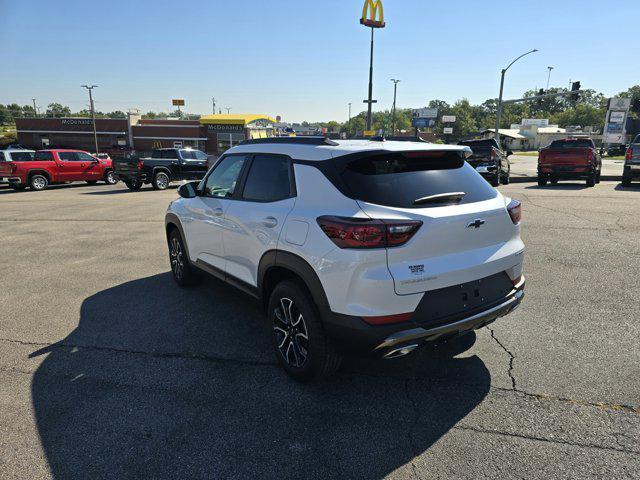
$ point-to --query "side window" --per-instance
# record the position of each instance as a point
(84, 157)
(200, 155)
(268, 180)
(67, 156)
(170, 154)
(43, 157)
(20, 156)
(223, 179)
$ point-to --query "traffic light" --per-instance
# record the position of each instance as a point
(540, 92)
(575, 89)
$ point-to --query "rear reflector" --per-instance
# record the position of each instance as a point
(366, 233)
(516, 280)
(515, 211)
(388, 319)
(628, 154)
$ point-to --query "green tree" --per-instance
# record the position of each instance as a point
(58, 110)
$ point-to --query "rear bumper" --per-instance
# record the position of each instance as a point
(353, 335)
(566, 171)
(632, 170)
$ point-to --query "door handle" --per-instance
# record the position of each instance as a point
(270, 222)
(216, 212)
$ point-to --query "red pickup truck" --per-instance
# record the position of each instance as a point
(56, 166)
(569, 159)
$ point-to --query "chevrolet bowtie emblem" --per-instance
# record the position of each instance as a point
(477, 223)
(372, 14)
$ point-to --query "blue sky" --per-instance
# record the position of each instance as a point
(306, 60)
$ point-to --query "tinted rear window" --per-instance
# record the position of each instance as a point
(571, 144)
(43, 156)
(398, 179)
(21, 156)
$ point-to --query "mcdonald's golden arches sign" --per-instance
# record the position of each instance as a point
(372, 14)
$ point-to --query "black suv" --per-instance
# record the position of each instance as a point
(161, 168)
(489, 160)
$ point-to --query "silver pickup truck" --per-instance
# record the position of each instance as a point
(632, 163)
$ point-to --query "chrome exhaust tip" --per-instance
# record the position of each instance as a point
(400, 352)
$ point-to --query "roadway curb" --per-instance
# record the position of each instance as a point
(606, 178)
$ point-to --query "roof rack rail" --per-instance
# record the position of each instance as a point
(292, 140)
(398, 138)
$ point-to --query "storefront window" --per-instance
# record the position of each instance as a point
(228, 140)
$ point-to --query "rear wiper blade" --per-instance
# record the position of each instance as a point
(451, 197)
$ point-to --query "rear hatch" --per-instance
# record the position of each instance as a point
(480, 155)
(466, 233)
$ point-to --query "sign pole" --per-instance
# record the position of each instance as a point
(370, 99)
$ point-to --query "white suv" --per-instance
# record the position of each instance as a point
(367, 246)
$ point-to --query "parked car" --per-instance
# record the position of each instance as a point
(614, 150)
(102, 156)
(489, 160)
(14, 155)
(569, 159)
(48, 167)
(161, 168)
(374, 247)
(631, 169)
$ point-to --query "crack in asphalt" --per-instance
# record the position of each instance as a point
(416, 418)
(545, 397)
(544, 439)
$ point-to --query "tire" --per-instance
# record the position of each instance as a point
(91, 182)
(181, 269)
(591, 180)
(598, 176)
(495, 180)
(303, 349)
(554, 180)
(133, 185)
(110, 178)
(505, 179)
(160, 181)
(542, 180)
(38, 182)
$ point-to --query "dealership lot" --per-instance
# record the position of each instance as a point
(109, 370)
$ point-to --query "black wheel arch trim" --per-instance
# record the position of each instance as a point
(300, 267)
(172, 219)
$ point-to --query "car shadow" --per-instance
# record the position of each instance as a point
(4, 189)
(162, 382)
(124, 189)
(634, 186)
(558, 186)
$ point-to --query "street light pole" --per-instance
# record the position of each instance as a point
(549, 76)
(213, 100)
(349, 124)
(393, 114)
(227, 109)
(499, 107)
(370, 100)
(35, 109)
(93, 115)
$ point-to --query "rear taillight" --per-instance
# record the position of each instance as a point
(140, 164)
(367, 233)
(515, 211)
(493, 153)
(628, 154)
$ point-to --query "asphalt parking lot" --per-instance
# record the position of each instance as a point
(108, 370)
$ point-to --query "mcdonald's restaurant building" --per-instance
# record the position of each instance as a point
(212, 134)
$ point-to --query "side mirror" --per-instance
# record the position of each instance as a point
(509, 152)
(188, 190)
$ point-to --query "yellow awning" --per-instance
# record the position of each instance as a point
(233, 119)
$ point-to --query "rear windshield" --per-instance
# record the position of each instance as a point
(571, 144)
(399, 179)
(21, 156)
(43, 156)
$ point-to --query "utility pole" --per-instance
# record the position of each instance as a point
(213, 100)
(349, 124)
(35, 109)
(93, 115)
(499, 107)
(227, 109)
(393, 115)
(549, 76)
